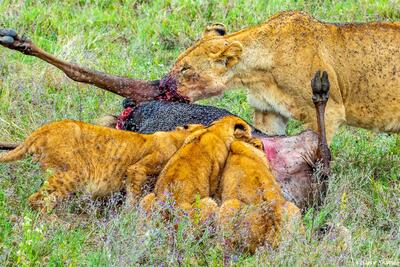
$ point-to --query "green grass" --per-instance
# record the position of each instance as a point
(141, 39)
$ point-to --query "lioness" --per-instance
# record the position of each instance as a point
(274, 61)
(195, 169)
(96, 159)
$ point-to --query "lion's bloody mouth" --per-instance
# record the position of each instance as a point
(168, 88)
(169, 93)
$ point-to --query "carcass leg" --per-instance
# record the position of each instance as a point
(137, 90)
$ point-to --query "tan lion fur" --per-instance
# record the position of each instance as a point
(276, 60)
(95, 159)
(194, 170)
(253, 209)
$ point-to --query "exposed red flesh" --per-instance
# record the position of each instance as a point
(291, 159)
(168, 88)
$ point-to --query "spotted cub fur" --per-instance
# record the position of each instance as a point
(99, 160)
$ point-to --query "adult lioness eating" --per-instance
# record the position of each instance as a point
(274, 61)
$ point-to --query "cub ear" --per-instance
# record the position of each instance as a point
(216, 29)
(230, 54)
(242, 131)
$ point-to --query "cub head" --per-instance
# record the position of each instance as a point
(204, 69)
(234, 125)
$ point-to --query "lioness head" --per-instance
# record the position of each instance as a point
(203, 70)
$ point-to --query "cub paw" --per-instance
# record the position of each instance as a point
(44, 203)
(320, 87)
(147, 203)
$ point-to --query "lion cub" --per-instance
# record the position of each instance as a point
(253, 208)
(96, 159)
(194, 171)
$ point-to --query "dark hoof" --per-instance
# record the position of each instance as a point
(7, 36)
(8, 32)
(10, 39)
(6, 40)
(320, 87)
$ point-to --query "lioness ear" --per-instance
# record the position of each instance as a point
(216, 29)
(230, 54)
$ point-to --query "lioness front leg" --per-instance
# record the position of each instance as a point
(270, 122)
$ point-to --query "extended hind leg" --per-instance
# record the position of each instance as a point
(291, 218)
(228, 215)
(283, 221)
(228, 221)
(147, 203)
(244, 227)
(56, 188)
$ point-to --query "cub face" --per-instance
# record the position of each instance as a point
(203, 69)
(241, 130)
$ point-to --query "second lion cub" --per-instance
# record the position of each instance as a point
(194, 171)
(253, 209)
